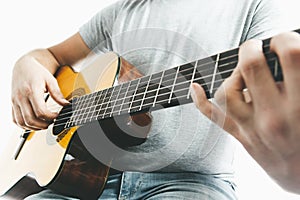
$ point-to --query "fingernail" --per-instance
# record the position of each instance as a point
(65, 101)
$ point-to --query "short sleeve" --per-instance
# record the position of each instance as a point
(268, 19)
(96, 33)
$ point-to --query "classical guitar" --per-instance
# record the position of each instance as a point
(43, 154)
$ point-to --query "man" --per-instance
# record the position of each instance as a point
(268, 124)
(188, 156)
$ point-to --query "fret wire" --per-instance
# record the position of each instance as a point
(74, 110)
(116, 99)
(199, 66)
(150, 104)
(159, 86)
(162, 88)
(166, 86)
(192, 79)
(77, 116)
(77, 106)
(108, 99)
(125, 96)
(89, 113)
(108, 102)
(183, 96)
(176, 75)
(68, 123)
(230, 56)
(216, 81)
(145, 92)
(86, 107)
(200, 71)
(215, 71)
(135, 92)
(102, 100)
(175, 91)
(100, 93)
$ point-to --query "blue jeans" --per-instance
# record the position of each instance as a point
(159, 186)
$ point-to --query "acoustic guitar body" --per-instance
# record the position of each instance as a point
(58, 159)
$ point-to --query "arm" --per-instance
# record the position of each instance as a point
(267, 125)
(33, 76)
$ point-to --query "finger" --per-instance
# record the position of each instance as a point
(257, 75)
(231, 99)
(30, 121)
(54, 91)
(200, 100)
(19, 120)
(287, 47)
(211, 111)
(17, 116)
(39, 106)
(13, 115)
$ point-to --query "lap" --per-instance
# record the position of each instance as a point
(158, 186)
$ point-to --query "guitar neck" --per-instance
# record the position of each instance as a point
(164, 89)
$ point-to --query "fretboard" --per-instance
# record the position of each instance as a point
(160, 90)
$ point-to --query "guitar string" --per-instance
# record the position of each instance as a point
(106, 107)
(201, 78)
(141, 88)
(165, 86)
(112, 95)
(151, 103)
(145, 105)
(157, 102)
(85, 98)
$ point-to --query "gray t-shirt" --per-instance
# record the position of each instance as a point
(160, 34)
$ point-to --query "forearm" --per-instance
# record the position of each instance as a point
(43, 56)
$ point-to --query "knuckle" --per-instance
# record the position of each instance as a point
(17, 96)
(40, 113)
(273, 125)
(290, 43)
(20, 123)
(206, 110)
(292, 52)
(224, 98)
(29, 120)
(27, 90)
(220, 96)
(251, 56)
(251, 63)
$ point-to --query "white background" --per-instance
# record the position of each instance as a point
(30, 24)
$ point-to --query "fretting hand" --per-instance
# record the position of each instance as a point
(268, 125)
